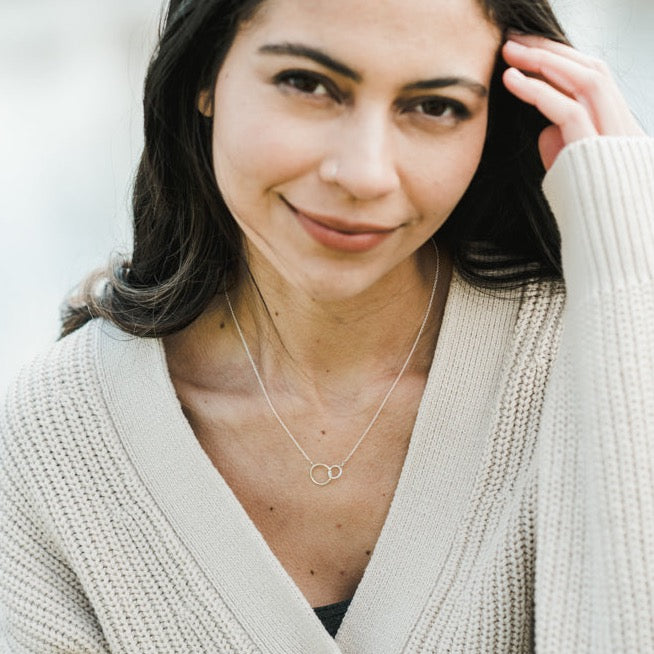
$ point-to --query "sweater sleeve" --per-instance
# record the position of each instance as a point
(594, 589)
(43, 609)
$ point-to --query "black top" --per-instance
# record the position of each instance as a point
(332, 615)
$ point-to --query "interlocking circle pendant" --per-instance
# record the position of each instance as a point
(332, 472)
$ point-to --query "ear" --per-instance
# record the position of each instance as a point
(205, 103)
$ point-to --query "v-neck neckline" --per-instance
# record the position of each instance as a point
(226, 543)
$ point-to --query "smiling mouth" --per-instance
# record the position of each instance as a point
(338, 234)
(338, 224)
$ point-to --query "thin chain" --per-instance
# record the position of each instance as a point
(339, 466)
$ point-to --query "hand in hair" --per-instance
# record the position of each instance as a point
(577, 93)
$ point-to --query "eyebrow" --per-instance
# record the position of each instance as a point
(322, 58)
(443, 82)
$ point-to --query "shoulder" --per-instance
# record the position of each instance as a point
(57, 408)
(59, 374)
(63, 375)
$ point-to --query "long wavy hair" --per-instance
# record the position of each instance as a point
(187, 246)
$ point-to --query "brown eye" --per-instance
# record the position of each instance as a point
(441, 108)
(306, 83)
(434, 107)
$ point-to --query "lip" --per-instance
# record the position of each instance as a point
(337, 234)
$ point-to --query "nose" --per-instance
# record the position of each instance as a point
(360, 158)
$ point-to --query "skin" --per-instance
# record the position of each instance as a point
(364, 147)
(360, 151)
(577, 93)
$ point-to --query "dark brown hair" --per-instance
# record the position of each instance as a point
(187, 246)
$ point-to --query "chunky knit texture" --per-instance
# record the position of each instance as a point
(523, 519)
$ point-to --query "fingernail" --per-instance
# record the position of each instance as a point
(514, 45)
(518, 36)
(514, 73)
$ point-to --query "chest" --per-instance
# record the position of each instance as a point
(324, 536)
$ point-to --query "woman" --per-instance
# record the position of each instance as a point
(307, 393)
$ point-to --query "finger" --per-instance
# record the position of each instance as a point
(579, 74)
(536, 41)
(569, 115)
(593, 87)
(570, 75)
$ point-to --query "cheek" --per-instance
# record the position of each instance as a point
(253, 155)
(440, 176)
(259, 149)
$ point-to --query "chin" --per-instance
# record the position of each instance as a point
(328, 287)
(317, 277)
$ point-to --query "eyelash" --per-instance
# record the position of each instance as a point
(459, 111)
(296, 79)
(288, 77)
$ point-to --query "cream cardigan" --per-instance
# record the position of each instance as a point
(523, 518)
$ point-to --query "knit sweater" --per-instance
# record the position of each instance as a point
(523, 518)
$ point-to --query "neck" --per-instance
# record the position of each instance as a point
(286, 327)
(295, 339)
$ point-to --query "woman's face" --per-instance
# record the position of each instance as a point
(346, 131)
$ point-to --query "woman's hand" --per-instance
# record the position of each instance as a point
(577, 93)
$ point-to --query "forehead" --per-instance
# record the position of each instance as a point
(414, 35)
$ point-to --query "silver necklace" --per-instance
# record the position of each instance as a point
(322, 474)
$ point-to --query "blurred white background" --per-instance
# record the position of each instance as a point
(71, 74)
